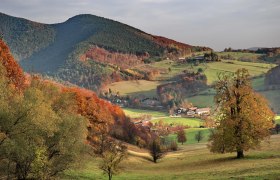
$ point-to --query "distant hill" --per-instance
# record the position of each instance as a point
(255, 48)
(25, 37)
(86, 50)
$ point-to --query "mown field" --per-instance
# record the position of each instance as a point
(191, 122)
(135, 88)
(255, 69)
(140, 112)
(203, 99)
(241, 56)
(190, 134)
(211, 70)
(206, 98)
(193, 161)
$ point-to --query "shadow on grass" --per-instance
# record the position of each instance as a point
(79, 176)
(147, 158)
(263, 156)
(230, 159)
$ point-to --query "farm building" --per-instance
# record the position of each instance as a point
(203, 111)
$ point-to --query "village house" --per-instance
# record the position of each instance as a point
(181, 110)
(203, 111)
(191, 113)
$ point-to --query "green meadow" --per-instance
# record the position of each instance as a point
(211, 70)
(140, 112)
(191, 122)
(192, 161)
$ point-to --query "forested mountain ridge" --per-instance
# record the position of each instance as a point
(67, 50)
(25, 37)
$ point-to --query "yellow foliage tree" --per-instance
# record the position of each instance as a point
(244, 116)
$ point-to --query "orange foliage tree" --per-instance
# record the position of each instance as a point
(14, 73)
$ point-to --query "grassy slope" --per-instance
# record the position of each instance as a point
(277, 119)
(241, 55)
(192, 122)
(139, 112)
(206, 99)
(135, 88)
(211, 70)
(254, 69)
(202, 100)
(190, 134)
(192, 162)
(273, 96)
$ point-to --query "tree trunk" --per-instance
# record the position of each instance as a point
(240, 154)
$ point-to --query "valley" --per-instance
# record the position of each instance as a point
(94, 98)
(204, 98)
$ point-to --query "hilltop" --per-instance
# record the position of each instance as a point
(87, 50)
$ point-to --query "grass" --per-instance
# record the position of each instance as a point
(202, 100)
(277, 119)
(206, 98)
(139, 112)
(191, 122)
(273, 96)
(211, 70)
(241, 55)
(148, 88)
(135, 88)
(258, 83)
(230, 66)
(193, 161)
(190, 134)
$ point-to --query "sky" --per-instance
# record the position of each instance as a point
(214, 23)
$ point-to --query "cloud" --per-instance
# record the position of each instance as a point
(215, 23)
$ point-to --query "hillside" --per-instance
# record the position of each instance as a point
(193, 161)
(25, 37)
(87, 50)
(273, 76)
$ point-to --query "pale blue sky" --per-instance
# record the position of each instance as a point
(214, 23)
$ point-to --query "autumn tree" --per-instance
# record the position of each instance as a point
(199, 136)
(111, 159)
(181, 136)
(156, 150)
(40, 135)
(244, 116)
(97, 112)
(14, 73)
